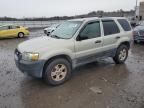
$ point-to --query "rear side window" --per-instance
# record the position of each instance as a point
(125, 25)
(4, 28)
(110, 27)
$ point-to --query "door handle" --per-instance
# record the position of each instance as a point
(117, 37)
(98, 41)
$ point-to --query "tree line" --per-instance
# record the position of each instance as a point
(119, 13)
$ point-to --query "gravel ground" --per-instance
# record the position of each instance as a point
(97, 85)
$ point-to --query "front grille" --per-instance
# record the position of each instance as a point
(18, 53)
(141, 32)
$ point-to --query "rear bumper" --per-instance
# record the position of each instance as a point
(32, 68)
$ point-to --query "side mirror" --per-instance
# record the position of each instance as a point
(81, 37)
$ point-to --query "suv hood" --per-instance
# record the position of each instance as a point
(139, 28)
(40, 43)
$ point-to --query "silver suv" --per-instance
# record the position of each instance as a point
(74, 43)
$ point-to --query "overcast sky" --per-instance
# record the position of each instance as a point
(49, 8)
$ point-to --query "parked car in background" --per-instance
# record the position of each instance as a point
(74, 43)
(133, 21)
(139, 33)
(141, 23)
(9, 31)
(50, 29)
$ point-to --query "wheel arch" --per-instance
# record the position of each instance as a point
(127, 43)
(20, 32)
(64, 56)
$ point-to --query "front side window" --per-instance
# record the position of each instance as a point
(110, 27)
(125, 25)
(66, 30)
(4, 28)
(91, 30)
(14, 27)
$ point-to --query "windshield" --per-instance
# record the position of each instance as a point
(66, 30)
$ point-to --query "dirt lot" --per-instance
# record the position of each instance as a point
(97, 85)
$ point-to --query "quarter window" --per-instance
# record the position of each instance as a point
(110, 27)
(91, 30)
(125, 25)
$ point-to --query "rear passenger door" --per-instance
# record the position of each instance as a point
(111, 35)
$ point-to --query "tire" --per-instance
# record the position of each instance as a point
(57, 72)
(20, 35)
(121, 54)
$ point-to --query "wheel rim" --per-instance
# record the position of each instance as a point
(59, 72)
(21, 35)
(123, 54)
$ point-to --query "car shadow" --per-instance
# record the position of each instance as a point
(100, 73)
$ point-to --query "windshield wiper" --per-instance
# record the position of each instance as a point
(55, 36)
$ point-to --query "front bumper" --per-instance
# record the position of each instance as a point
(32, 68)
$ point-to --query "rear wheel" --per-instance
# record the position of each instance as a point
(57, 72)
(20, 35)
(121, 54)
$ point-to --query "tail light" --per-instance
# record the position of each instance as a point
(135, 33)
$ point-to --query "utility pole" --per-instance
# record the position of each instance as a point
(136, 2)
(136, 8)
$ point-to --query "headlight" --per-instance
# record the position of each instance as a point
(30, 56)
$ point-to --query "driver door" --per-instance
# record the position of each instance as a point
(89, 42)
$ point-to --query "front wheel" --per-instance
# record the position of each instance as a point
(121, 54)
(20, 35)
(57, 72)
